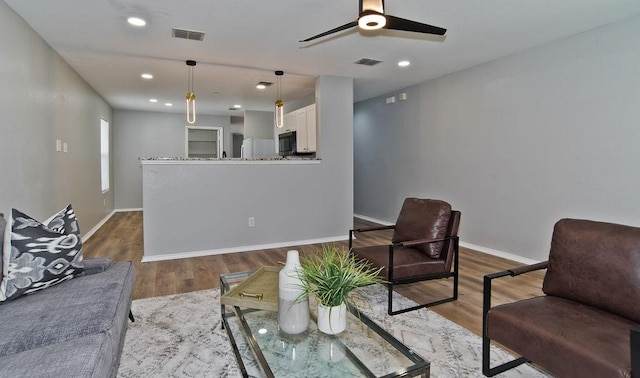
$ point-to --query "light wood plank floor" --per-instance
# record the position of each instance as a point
(121, 239)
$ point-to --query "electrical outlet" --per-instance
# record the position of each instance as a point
(58, 145)
(252, 221)
(65, 148)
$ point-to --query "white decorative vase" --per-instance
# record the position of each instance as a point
(293, 312)
(332, 320)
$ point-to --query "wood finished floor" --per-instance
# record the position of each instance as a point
(121, 239)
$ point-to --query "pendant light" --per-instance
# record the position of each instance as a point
(279, 108)
(191, 96)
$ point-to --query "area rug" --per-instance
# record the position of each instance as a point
(180, 336)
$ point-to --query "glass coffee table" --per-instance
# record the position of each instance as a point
(362, 350)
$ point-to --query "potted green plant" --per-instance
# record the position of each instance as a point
(330, 276)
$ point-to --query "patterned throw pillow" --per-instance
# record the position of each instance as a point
(41, 255)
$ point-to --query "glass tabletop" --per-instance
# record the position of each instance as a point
(362, 350)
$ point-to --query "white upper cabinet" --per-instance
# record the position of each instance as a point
(306, 129)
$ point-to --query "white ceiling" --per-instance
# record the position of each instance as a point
(247, 40)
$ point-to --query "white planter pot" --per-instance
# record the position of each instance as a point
(332, 320)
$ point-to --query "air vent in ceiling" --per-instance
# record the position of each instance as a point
(187, 34)
(368, 62)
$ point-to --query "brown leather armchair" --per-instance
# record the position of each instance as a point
(586, 324)
(424, 247)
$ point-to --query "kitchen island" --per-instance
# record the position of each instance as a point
(196, 207)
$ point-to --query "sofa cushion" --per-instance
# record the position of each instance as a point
(550, 331)
(41, 255)
(596, 263)
(423, 219)
(89, 356)
(83, 306)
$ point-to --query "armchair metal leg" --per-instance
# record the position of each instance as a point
(390, 310)
(486, 359)
(487, 370)
(454, 297)
(131, 317)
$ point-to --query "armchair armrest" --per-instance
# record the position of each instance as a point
(376, 228)
(412, 243)
(97, 265)
(528, 268)
(486, 305)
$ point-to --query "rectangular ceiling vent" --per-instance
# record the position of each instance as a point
(187, 34)
(368, 62)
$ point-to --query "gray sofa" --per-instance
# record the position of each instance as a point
(73, 329)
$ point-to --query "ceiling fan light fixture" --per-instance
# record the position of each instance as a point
(370, 20)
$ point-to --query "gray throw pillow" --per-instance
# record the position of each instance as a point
(41, 255)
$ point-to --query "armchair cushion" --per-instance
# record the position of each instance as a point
(565, 337)
(407, 262)
(597, 264)
(423, 219)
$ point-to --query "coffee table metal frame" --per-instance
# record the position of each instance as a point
(420, 366)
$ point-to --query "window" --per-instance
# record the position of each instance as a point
(104, 155)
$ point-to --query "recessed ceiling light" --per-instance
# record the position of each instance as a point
(263, 84)
(237, 106)
(136, 21)
(168, 104)
(404, 63)
(153, 100)
(147, 76)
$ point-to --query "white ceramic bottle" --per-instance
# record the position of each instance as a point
(293, 312)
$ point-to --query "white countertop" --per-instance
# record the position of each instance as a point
(183, 160)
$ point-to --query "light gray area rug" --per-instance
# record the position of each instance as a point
(180, 336)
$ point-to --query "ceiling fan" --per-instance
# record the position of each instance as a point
(372, 17)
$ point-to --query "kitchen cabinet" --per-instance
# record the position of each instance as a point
(311, 127)
(305, 119)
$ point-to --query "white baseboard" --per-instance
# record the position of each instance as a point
(95, 228)
(494, 252)
(221, 251)
(131, 209)
(489, 251)
(374, 220)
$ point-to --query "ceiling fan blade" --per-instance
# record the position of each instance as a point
(338, 29)
(397, 23)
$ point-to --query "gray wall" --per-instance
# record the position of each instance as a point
(42, 99)
(205, 207)
(258, 125)
(150, 134)
(515, 144)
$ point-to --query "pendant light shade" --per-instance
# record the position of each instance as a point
(279, 106)
(191, 96)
